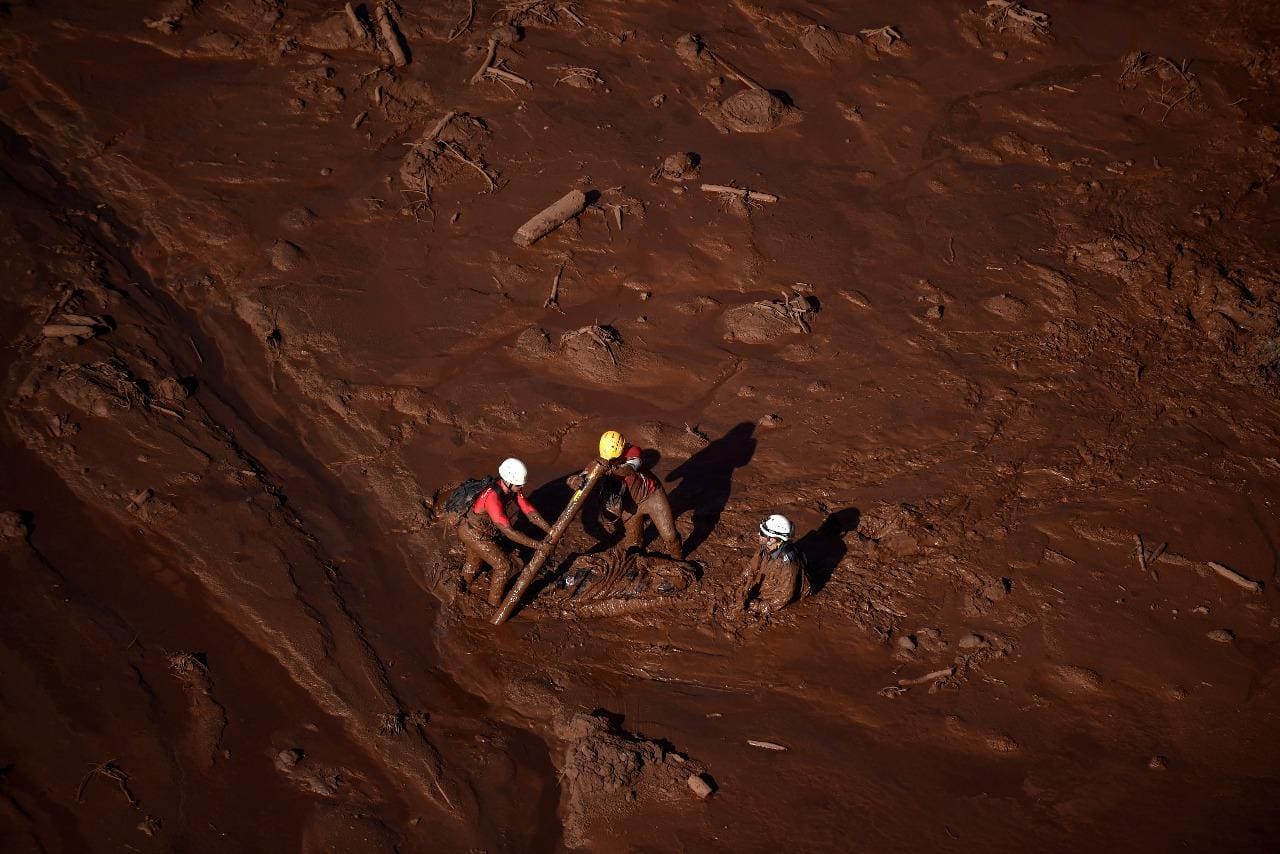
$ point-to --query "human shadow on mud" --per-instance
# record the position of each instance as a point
(706, 479)
(823, 547)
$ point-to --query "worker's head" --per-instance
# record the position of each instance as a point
(513, 473)
(612, 444)
(776, 529)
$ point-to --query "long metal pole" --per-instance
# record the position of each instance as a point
(548, 545)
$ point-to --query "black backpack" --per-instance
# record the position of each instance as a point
(462, 498)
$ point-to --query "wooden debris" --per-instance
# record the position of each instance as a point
(1142, 554)
(454, 151)
(358, 29)
(1236, 578)
(733, 70)
(579, 76)
(889, 34)
(491, 53)
(390, 38)
(573, 16)
(699, 786)
(553, 301)
(111, 771)
(550, 218)
(465, 24)
(746, 195)
(439, 126)
(355, 125)
(1003, 13)
(1221, 635)
(928, 677)
(767, 745)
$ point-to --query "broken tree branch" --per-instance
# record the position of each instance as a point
(747, 195)
(358, 29)
(453, 150)
(550, 218)
(553, 301)
(928, 677)
(465, 24)
(490, 53)
(1236, 578)
(390, 38)
(733, 70)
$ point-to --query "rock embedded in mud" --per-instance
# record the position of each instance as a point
(681, 166)
(13, 526)
(1078, 677)
(1221, 636)
(1158, 763)
(285, 256)
(507, 34)
(971, 641)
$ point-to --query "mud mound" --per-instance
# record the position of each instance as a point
(752, 111)
(606, 771)
(768, 320)
(827, 45)
(595, 353)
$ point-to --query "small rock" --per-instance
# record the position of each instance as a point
(13, 526)
(1000, 54)
(689, 47)
(1221, 635)
(657, 100)
(1158, 763)
(289, 758)
(770, 421)
(971, 641)
(681, 166)
(326, 171)
(699, 786)
(1002, 744)
(285, 256)
(905, 642)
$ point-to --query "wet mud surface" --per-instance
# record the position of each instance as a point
(997, 325)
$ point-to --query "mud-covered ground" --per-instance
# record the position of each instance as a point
(1006, 347)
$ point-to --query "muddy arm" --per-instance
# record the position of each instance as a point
(536, 518)
(517, 537)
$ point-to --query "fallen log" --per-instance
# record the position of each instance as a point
(1236, 578)
(358, 28)
(549, 219)
(549, 543)
(748, 195)
(928, 677)
(62, 330)
(390, 37)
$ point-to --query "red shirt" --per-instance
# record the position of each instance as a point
(492, 503)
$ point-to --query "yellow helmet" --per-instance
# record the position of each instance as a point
(612, 445)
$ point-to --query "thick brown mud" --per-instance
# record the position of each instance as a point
(999, 330)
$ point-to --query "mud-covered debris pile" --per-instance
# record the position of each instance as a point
(606, 771)
(767, 320)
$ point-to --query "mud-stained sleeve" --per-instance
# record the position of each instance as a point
(750, 576)
(778, 582)
(526, 507)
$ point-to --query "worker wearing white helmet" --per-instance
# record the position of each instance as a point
(775, 574)
(487, 508)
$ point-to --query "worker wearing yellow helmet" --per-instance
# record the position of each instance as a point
(632, 494)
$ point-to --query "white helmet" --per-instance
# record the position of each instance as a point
(776, 527)
(513, 471)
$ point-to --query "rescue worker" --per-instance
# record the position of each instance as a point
(775, 575)
(632, 494)
(490, 515)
